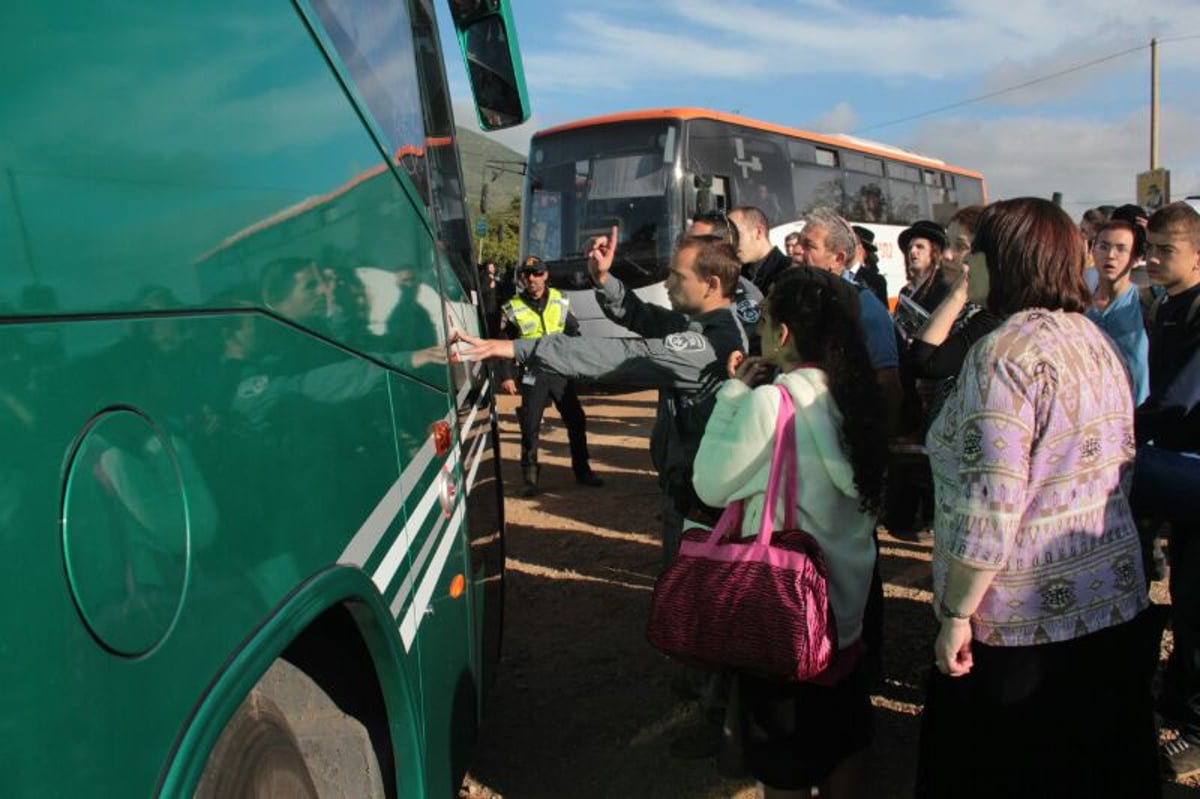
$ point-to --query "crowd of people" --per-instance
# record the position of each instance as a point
(1033, 400)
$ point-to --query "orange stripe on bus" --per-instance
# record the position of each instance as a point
(700, 113)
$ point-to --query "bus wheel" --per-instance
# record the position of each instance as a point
(256, 757)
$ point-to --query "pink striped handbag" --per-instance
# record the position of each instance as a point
(760, 604)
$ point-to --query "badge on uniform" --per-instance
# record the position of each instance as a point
(530, 379)
(747, 311)
(686, 342)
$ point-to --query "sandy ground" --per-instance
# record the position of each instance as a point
(581, 707)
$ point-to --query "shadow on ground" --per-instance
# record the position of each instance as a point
(581, 707)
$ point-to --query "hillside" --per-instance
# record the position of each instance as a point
(476, 150)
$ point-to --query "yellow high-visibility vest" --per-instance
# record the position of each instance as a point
(534, 325)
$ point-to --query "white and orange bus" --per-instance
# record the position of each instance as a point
(650, 171)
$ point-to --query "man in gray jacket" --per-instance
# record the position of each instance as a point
(684, 352)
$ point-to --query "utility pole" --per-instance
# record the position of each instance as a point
(1154, 103)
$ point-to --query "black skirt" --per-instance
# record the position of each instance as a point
(1067, 719)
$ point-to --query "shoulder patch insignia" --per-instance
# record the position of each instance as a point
(686, 342)
(747, 311)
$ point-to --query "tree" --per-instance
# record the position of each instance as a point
(501, 244)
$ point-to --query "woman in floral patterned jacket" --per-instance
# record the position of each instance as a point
(1044, 655)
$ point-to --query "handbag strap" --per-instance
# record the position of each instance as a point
(783, 473)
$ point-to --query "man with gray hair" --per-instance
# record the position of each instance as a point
(828, 243)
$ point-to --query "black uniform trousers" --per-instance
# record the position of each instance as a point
(534, 398)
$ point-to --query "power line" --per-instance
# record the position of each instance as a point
(1024, 85)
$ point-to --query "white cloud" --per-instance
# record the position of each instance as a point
(603, 54)
(1004, 43)
(842, 118)
(1089, 161)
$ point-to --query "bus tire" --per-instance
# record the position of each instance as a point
(256, 757)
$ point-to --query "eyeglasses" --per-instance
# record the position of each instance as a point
(535, 272)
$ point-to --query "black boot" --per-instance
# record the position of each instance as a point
(588, 478)
(530, 475)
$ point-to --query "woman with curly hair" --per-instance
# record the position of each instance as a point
(1044, 655)
(800, 735)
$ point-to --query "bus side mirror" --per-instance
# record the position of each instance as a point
(466, 11)
(489, 45)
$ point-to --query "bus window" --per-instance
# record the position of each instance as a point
(941, 199)
(816, 186)
(756, 161)
(908, 200)
(969, 190)
(865, 197)
(866, 200)
(868, 165)
(374, 43)
(581, 183)
(826, 157)
(815, 179)
(441, 152)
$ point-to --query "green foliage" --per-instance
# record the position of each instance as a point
(503, 236)
(504, 196)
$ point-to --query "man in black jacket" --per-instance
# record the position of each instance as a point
(762, 262)
(1167, 473)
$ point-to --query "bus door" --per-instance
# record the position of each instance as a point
(481, 490)
(436, 603)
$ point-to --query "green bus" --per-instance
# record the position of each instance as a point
(251, 515)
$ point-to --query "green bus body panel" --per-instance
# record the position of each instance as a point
(224, 304)
(278, 479)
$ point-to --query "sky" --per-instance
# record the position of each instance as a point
(867, 67)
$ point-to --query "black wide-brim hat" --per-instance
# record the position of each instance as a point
(924, 229)
(866, 237)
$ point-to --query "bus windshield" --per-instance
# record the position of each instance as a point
(582, 182)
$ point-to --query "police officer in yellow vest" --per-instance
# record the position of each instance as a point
(535, 312)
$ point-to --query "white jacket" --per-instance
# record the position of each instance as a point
(734, 462)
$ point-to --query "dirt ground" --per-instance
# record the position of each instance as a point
(581, 707)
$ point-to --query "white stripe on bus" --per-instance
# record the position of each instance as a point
(410, 577)
(476, 459)
(365, 541)
(416, 611)
(380, 519)
(466, 428)
(405, 587)
(472, 368)
(369, 535)
(395, 555)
